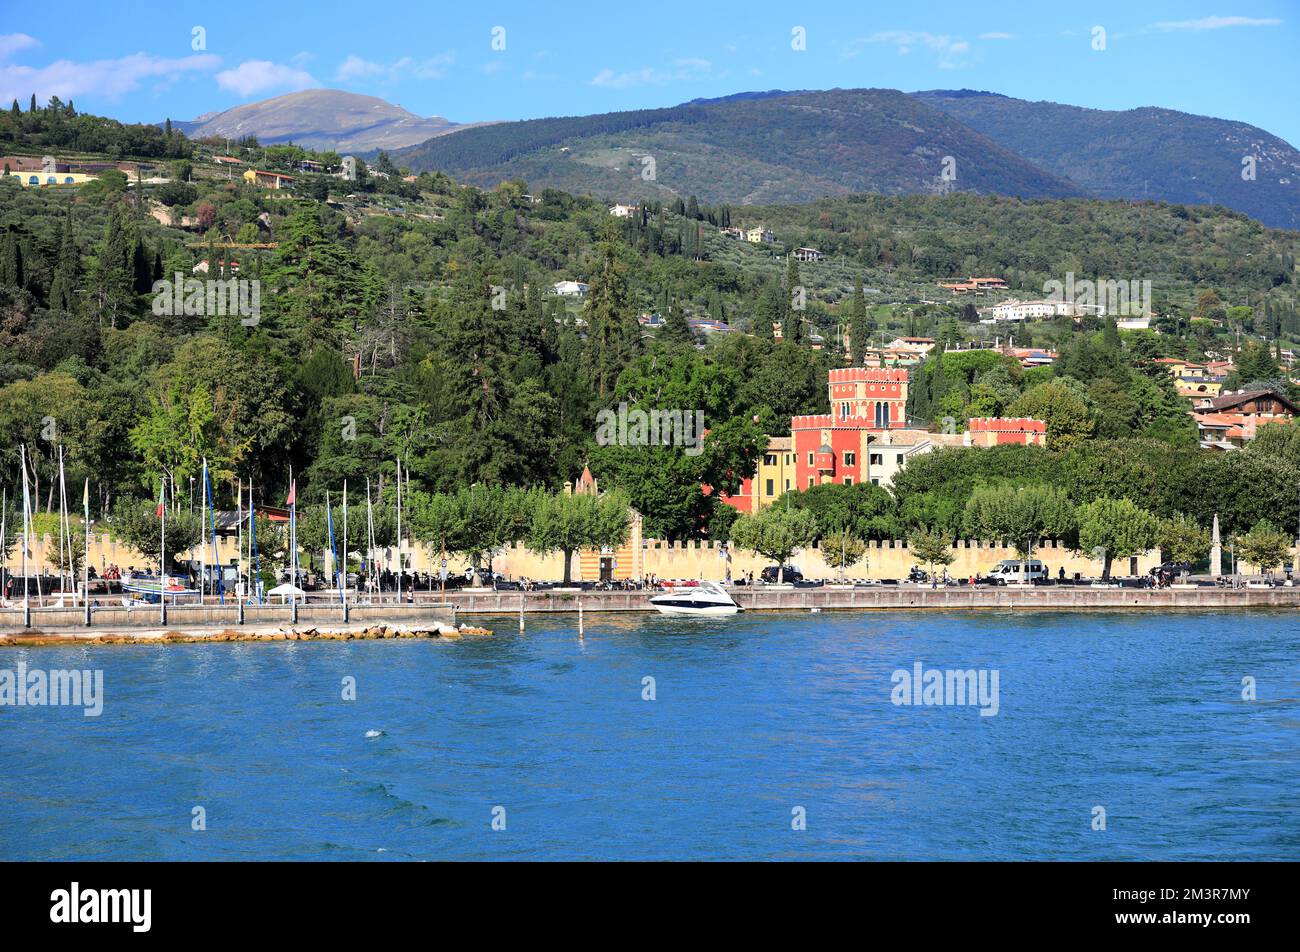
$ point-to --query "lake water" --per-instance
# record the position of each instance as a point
(757, 723)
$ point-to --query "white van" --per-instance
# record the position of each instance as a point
(1012, 571)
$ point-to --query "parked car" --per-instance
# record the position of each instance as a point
(788, 573)
(1013, 570)
(1173, 569)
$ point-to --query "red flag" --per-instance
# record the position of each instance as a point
(159, 513)
(293, 493)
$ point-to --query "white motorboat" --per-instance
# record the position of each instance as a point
(705, 599)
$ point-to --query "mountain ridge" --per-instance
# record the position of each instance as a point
(322, 119)
(1000, 145)
(749, 148)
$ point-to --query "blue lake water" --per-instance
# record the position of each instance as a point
(753, 717)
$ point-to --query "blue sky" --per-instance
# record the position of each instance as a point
(1234, 59)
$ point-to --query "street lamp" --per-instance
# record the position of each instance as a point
(191, 495)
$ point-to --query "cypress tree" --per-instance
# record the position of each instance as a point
(676, 330)
(792, 328)
(859, 325)
(67, 269)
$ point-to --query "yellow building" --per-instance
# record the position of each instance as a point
(625, 562)
(1195, 387)
(29, 179)
(267, 179)
(773, 476)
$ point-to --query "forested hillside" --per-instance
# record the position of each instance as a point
(415, 319)
(780, 148)
(1143, 153)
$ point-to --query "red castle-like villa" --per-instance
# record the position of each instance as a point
(865, 438)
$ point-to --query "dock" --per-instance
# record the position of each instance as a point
(429, 614)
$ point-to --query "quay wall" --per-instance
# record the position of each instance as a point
(1010, 598)
(208, 617)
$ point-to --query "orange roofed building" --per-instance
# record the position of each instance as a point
(1228, 421)
(995, 431)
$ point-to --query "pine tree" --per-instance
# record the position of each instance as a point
(32, 107)
(113, 276)
(476, 344)
(613, 334)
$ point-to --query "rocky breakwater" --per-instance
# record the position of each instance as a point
(30, 639)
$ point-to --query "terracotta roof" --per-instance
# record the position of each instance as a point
(1007, 425)
(1229, 400)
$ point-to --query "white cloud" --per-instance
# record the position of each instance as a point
(256, 76)
(106, 79)
(949, 49)
(355, 68)
(997, 36)
(1211, 23)
(12, 43)
(682, 69)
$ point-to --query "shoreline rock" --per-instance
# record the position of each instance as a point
(38, 639)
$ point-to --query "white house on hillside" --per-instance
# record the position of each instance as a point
(569, 289)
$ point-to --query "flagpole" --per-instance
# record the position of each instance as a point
(345, 541)
(85, 568)
(329, 518)
(293, 543)
(210, 496)
(203, 546)
(239, 540)
(66, 526)
(162, 552)
(370, 539)
(399, 529)
(22, 461)
(62, 513)
(256, 581)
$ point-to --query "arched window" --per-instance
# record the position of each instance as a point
(34, 180)
(52, 180)
(69, 181)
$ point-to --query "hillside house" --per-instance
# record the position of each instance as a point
(573, 289)
(1230, 420)
(275, 180)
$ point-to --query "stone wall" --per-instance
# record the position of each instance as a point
(884, 559)
(688, 560)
